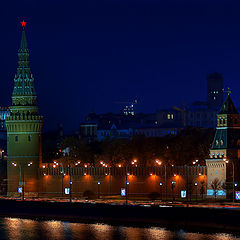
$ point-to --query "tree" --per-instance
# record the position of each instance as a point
(202, 189)
(215, 185)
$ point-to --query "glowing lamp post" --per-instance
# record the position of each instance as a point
(127, 183)
(233, 178)
(98, 189)
(161, 185)
(196, 184)
(21, 173)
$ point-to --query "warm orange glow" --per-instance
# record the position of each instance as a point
(85, 174)
(128, 174)
(150, 174)
(43, 166)
(119, 165)
(54, 166)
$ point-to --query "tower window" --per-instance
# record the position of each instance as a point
(16, 138)
(29, 138)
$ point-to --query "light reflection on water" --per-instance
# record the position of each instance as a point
(16, 229)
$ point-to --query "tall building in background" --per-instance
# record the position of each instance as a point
(215, 90)
(24, 126)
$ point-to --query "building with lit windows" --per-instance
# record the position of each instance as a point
(215, 90)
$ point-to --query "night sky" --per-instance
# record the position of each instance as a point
(88, 55)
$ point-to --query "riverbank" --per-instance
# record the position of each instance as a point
(196, 219)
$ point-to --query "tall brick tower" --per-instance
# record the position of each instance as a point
(225, 147)
(24, 126)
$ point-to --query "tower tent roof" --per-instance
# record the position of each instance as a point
(23, 45)
(228, 107)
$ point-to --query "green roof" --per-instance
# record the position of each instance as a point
(228, 107)
(23, 45)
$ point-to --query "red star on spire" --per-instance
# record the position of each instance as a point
(23, 23)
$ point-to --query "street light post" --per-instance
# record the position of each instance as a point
(70, 184)
(196, 184)
(160, 184)
(233, 182)
(233, 178)
(127, 183)
(98, 189)
(21, 176)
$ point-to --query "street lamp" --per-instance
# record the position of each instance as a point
(21, 172)
(98, 189)
(127, 183)
(196, 184)
(70, 183)
(161, 184)
(173, 186)
(233, 177)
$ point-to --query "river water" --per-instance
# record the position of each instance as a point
(16, 228)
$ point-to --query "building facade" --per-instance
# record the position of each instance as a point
(223, 162)
(24, 127)
(215, 90)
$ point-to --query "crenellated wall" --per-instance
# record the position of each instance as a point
(142, 180)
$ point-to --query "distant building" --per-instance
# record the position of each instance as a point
(114, 131)
(215, 90)
(4, 112)
(198, 114)
(158, 131)
(88, 131)
(130, 109)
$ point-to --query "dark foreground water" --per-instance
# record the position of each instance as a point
(16, 228)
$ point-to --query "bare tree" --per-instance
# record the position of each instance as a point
(215, 185)
(202, 189)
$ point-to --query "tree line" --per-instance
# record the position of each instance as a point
(182, 149)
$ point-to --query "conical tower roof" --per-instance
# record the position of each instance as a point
(23, 45)
(228, 107)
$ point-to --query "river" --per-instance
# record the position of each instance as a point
(16, 228)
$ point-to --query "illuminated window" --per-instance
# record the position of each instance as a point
(169, 116)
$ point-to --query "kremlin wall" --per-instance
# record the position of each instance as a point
(27, 174)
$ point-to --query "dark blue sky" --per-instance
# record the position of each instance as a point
(87, 55)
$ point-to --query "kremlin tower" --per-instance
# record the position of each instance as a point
(24, 127)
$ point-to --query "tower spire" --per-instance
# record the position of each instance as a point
(23, 81)
(23, 45)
